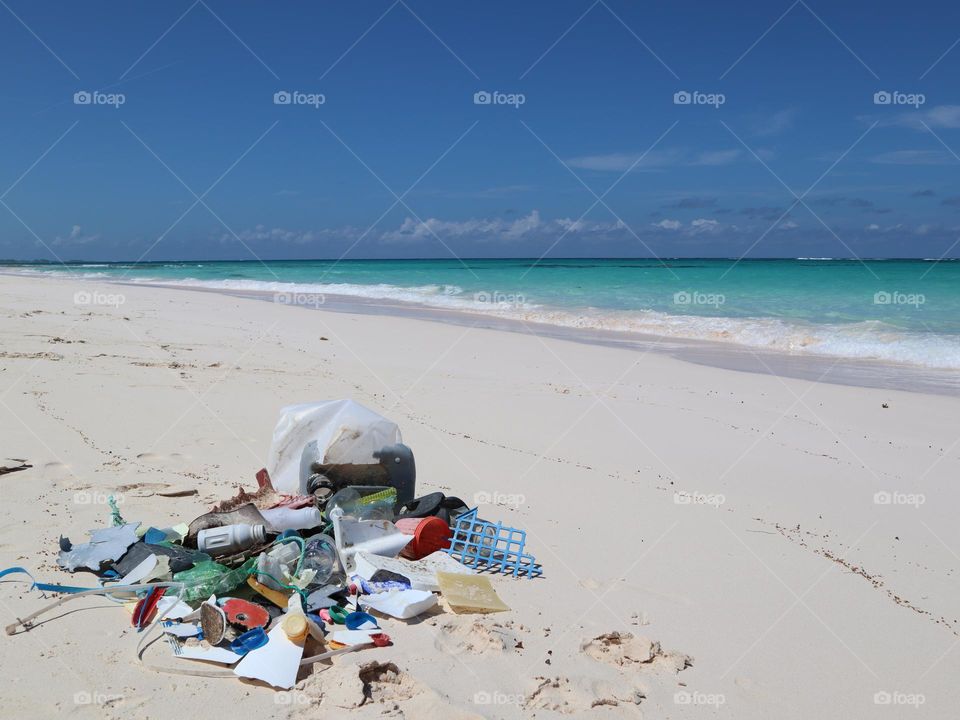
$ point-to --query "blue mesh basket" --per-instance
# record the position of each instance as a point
(490, 546)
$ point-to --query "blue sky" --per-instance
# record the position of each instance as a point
(584, 151)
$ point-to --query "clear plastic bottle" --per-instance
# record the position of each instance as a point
(320, 555)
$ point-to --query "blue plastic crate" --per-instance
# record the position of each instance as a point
(490, 546)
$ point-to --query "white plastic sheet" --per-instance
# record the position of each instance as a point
(346, 431)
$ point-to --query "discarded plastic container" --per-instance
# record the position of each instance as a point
(429, 535)
(343, 430)
(380, 537)
(282, 518)
(320, 555)
(491, 546)
(364, 502)
(281, 560)
(229, 539)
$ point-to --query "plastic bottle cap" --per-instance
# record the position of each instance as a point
(431, 534)
(295, 626)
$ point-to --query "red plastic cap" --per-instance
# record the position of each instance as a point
(432, 534)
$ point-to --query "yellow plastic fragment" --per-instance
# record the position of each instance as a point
(469, 593)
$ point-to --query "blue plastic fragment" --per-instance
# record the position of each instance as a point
(250, 640)
(356, 620)
(44, 587)
(153, 536)
(490, 546)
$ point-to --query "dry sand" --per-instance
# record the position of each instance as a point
(782, 590)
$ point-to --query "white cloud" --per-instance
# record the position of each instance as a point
(787, 225)
(775, 123)
(701, 225)
(655, 159)
(940, 116)
(668, 224)
(872, 227)
(75, 237)
(716, 157)
(913, 157)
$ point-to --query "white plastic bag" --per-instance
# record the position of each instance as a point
(349, 433)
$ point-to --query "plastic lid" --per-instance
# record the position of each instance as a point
(295, 626)
(432, 534)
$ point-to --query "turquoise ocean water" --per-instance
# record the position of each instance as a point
(905, 311)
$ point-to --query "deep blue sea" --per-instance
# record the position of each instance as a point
(895, 310)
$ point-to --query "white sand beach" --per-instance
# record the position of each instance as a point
(715, 543)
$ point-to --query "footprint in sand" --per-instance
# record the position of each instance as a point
(173, 460)
(351, 685)
(624, 650)
(474, 636)
(55, 472)
(566, 697)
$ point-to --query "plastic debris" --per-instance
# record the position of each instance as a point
(422, 574)
(377, 537)
(352, 549)
(181, 630)
(429, 535)
(106, 545)
(467, 593)
(403, 604)
(209, 578)
(207, 653)
(245, 613)
(491, 546)
(275, 663)
(343, 430)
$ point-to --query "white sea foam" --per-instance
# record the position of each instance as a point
(860, 340)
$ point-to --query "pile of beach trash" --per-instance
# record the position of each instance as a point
(332, 546)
